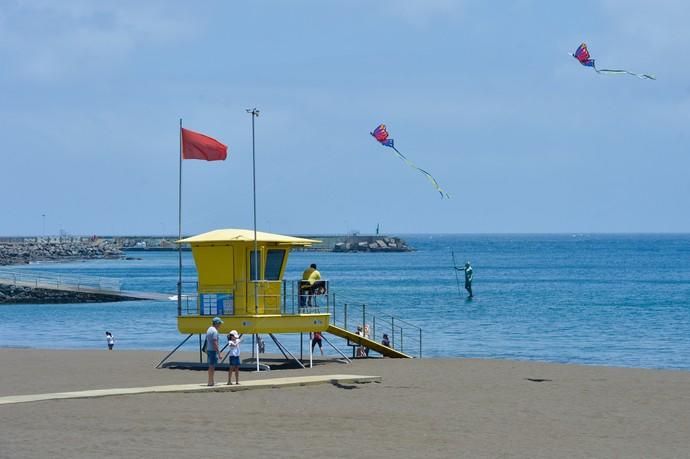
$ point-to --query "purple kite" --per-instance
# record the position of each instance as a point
(582, 55)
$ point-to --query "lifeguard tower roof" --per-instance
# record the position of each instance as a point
(244, 235)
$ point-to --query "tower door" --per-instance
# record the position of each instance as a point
(264, 286)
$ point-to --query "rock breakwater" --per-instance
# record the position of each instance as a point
(12, 253)
(13, 294)
(371, 244)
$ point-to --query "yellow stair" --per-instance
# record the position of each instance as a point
(378, 347)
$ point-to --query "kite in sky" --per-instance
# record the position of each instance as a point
(582, 55)
(381, 135)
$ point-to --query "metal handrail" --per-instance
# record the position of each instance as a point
(75, 282)
(402, 334)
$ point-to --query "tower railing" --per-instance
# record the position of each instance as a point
(350, 315)
(222, 299)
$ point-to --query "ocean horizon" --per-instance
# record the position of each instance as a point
(618, 299)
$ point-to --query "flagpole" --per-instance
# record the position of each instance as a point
(179, 231)
(255, 113)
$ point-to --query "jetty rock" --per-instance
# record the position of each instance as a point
(23, 252)
(371, 244)
(13, 294)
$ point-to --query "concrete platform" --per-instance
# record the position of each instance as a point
(274, 383)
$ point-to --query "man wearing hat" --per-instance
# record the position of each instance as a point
(212, 348)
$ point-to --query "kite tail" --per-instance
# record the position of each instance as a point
(643, 76)
(428, 175)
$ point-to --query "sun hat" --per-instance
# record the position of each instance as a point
(217, 320)
(234, 333)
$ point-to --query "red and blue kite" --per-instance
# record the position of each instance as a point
(582, 55)
(381, 135)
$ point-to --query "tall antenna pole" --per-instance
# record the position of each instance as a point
(255, 114)
(179, 232)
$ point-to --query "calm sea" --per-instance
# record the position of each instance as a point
(619, 300)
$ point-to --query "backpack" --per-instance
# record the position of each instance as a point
(203, 348)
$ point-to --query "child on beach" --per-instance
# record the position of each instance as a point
(262, 345)
(316, 339)
(360, 348)
(367, 336)
(234, 353)
(110, 340)
(386, 341)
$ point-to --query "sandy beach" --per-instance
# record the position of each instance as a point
(423, 408)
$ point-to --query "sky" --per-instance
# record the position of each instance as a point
(483, 95)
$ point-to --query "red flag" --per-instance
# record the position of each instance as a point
(200, 146)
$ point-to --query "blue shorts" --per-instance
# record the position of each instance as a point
(234, 361)
(212, 358)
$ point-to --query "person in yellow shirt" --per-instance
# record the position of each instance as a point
(311, 279)
(307, 272)
(305, 285)
(315, 275)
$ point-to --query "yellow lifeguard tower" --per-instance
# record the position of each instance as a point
(249, 298)
(240, 279)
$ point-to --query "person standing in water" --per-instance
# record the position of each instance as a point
(468, 278)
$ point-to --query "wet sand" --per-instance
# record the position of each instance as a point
(433, 408)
